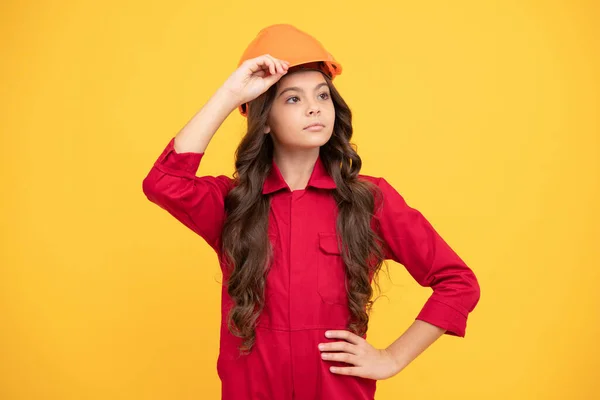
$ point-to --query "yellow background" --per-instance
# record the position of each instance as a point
(483, 114)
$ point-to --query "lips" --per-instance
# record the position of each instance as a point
(315, 124)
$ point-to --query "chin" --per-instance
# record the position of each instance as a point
(318, 141)
(315, 140)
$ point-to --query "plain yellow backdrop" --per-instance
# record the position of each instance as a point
(483, 114)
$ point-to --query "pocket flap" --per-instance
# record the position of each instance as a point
(328, 243)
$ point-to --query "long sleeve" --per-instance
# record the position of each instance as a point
(197, 202)
(411, 240)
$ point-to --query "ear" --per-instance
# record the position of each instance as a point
(267, 129)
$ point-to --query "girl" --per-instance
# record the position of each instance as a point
(300, 234)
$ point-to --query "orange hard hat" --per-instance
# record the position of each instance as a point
(286, 42)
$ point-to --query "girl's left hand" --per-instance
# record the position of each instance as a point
(368, 361)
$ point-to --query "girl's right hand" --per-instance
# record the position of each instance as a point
(254, 76)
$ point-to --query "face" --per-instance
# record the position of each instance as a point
(302, 98)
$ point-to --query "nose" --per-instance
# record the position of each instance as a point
(313, 109)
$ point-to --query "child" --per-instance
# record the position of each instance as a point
(300, 234)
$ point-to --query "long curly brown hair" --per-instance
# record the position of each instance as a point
(245, 241)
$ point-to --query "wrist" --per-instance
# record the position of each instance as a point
(228, 97)
(397, 364)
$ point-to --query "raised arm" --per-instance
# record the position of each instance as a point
(199, 202)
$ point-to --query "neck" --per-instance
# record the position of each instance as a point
(296, 167)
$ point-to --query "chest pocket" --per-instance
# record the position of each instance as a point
(331, 271)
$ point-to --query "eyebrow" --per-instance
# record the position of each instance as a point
(300, 89)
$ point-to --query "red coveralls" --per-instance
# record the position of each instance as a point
(305, 294)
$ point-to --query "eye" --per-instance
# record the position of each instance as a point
(324, 95)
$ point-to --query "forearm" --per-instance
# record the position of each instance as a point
(418, 337)
(197, 133)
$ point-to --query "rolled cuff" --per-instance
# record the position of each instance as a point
(182, 164)
(444, 316)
